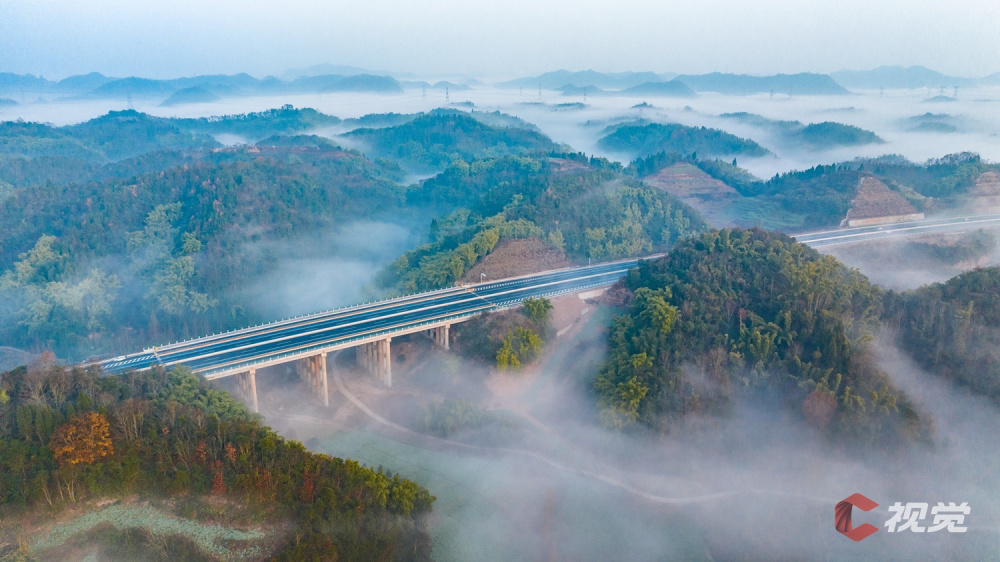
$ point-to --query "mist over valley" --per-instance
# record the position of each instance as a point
(498, 311)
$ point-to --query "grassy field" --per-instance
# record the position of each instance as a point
(126, 529)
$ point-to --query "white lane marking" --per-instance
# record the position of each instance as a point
(926, 222)
(314, 332)
(338, 326)
(897, 230)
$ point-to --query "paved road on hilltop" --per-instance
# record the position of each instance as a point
(243, 348)
(869, 233)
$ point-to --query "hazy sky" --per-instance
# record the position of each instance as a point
(492, 38)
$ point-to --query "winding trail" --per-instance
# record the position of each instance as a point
(611, 481)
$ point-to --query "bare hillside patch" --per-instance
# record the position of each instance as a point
(516, 257)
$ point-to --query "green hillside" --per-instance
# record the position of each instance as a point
(72, 438)
(952, 329)
(736, 316)
(644, 139)
(435, 140)
(594, 213)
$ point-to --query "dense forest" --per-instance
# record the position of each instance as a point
(816, 136)
(734, 315)
(70, 436)
(128, 143)
(130, 229)
(642, 139)
(591, 211)
(129, 261)
(821, 195)
(154, 238)
(953, 329)
(435, 140)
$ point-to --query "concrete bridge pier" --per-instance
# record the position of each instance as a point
(375, 357)
(246, 384)
(312, 371)
(440, 335)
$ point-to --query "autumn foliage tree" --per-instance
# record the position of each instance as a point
(174, 434)
(83, 439)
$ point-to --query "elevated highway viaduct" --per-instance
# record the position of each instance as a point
(369, 328)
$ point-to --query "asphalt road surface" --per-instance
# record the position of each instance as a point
(239, 348)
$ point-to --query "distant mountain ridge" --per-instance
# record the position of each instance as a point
(803, 83)
(643, 83)
(191, 89)
(900, 77)
(334, 78)
(559, 78)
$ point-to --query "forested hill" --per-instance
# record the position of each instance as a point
(127, 143)
(434, 140)
(586, 208)
(129, 262)
(821, 195)
(115, 136)
(953, 329)
(286, 120)
(72, 438)
(734, 315)
(816, 136)
(643, 139)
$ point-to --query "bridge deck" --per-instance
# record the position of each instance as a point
(228, 353)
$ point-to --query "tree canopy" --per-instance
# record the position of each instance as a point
(738, 313)
(68, 435)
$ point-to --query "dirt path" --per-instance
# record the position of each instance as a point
(609, 480)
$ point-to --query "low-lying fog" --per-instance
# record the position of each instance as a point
(329, 269)
(975, 114)
(756, 484)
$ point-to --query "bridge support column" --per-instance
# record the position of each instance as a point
(440, 335)
(322, 386)
(375, 357)
(443, 332)
(312, 371)
(247, 385)
(385, 365)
